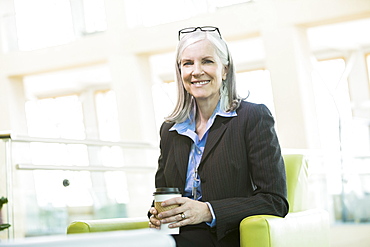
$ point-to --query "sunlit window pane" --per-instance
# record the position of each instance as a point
(59, 117)
(46, 23)
(107, 115)
(59, 154)
(164, 89)
(247, 51)
(94, 13)
(164, 98)
(160, 11)
(117, 187)
(112, 156)
(166, 11)
(332, 99)
(50, 189)
(43, 23)
(256, 86)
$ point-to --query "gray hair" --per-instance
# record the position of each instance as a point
(230, 101)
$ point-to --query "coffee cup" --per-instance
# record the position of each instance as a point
(163, 194)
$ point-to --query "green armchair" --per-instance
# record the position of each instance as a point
(301, 227)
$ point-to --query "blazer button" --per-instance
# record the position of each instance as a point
(202, 180)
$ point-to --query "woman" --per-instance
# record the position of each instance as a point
(222, 152)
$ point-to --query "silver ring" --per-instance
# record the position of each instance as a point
(183, 216)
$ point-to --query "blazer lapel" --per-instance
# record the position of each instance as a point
(215, 133)
(181, 148)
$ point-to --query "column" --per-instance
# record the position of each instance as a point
(131, 79)
(131, 82)
(12, 105)
(288, 60)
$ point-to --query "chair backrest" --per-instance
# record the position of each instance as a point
(296, 168)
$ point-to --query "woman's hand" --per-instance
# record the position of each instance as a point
(190, 212)
(153, 221)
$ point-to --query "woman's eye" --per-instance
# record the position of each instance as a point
(186, 63)
(208, 61)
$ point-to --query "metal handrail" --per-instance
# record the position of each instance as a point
(126, 144)
(90, 168)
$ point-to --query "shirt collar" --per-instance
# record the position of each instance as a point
(189, 123)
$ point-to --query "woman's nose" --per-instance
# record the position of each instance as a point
(198, 70)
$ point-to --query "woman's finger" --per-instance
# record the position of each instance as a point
(153, 211)
(154, 222)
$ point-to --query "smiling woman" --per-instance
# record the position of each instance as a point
(212, 136)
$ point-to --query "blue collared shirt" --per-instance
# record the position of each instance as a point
(187, 128)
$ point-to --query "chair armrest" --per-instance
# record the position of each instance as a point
(305, 229)
(108, 225)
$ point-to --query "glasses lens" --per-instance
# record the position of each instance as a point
(188, 30)
(208, 29)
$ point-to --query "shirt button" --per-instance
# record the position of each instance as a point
(199, 152)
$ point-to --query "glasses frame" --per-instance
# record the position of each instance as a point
(203, 29)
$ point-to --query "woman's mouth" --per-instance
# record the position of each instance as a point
(200, 82)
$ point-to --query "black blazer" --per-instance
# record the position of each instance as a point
(242, 170)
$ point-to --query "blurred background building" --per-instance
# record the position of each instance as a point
(85, 85)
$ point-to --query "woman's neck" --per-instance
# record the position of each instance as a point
(205, 110)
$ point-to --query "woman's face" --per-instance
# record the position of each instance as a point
(202, 71)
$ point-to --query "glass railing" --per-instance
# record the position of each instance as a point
(52, 182)
(338, 183)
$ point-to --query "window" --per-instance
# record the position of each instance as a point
(256, 86)
(43, 23)
(59, 117)
(88, 194)
(332, 99)
(343, 139)
(165, 98)
(107, 115)
(94, 16)
(46, 23)
(158, 12)
(166, 11)
(164, 89)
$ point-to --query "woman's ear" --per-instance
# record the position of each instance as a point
(224, 73)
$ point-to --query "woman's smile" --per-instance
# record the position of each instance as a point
(205, 82)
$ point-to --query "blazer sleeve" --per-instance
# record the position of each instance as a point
(266, 170)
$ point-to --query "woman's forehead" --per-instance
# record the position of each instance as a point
(202, 48)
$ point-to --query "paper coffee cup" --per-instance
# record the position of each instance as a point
(163, 194)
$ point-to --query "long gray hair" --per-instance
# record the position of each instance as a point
(230, 101)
